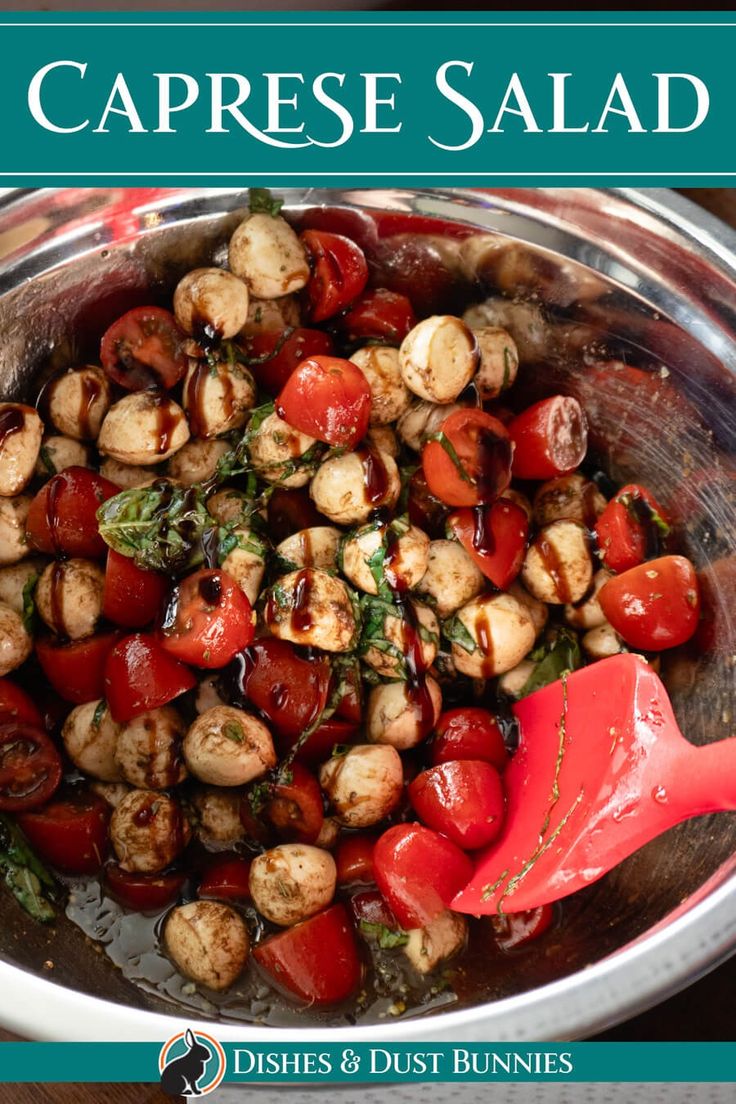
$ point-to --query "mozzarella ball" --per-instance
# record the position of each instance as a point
(404, 563)
(275, 449)
(208, 942)
(570, 497)
(390, 396)
(21, 431)
(14, 580)
(126, 475)
(421, 421)
(266, 253)
(69, 597)
(512, 495)
(227, 747)
(148, 831)
(383, 439)
(442, 938)
(602, 641)
(558, 568)
(111, 792)
(525, 322)
(395, 715)
(227, 505)
(314, 547)
(16, 643)
(291, 882)
(271, 315)
(341, 489)
(196, 461)
(246, 563)
(329, 834)
(78, 401)
(588, 614)
(148, 750)
(57, 453)
(211, 300)
(217, 400)
(90, 737)
(396, 634)
(514, 681)
(364, 785)
(313, 608)
(143, 428)
(499, 361)
(538, 611)
(451, 579)
(218, 815)
(439, 358)
(499, 632)
(13, 514)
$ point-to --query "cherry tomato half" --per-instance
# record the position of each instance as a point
(329, 399)
(30, 767)
(145, 348)
(339, 273)
(274, 355)
(424, 509)
(317, 960)
(470, 461)
(295, 809)
(15, 705)
(462, 800)
(227, 877)
(354, 859)
(143, 892)
(655, 605)
(140, 675)
(514, 930)
(629, 529)
(77, 670)
(418, 872)
(495, 537)
(468, 732)
(62, 519)
(70, 832)
(372, 908)
(132, 597)
(381, 315)
(320, 744)
(289, 691)
(208, 620)
(550, 438)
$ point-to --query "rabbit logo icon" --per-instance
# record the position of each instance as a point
(191, 1064)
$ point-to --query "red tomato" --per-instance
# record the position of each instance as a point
(140, 675)
(274, 355)
(550, 438)
(339, 273)
(471, 464)
(424, 509)
(350, 706)
(354, 858)
(15, 705)
(628, 530)
(133, 597)
(227, 877)
(319, 745)
(145, 348)
(208, 620)
(495, 537)
(289, 691)
(372, 908)
(418, 872)
(468, 733)
(462, 800)
(290, 510)
(327, 398)
(143, 892)
(77, 670)
(655, 605)
(30, 767)
(514, 930)
(62, 519)
(381, 315)
(296, 810)
(317, 960)
(70, 833)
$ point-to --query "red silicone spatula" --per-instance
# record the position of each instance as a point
(601, 769)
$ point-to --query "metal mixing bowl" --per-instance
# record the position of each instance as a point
(627, 299)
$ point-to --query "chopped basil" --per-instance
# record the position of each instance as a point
(99, 713)
(456, 632)
(553, 659)
(47, 460)
(234, 732)
(26, 877)
(262, 201)
(447, 445)
(29, 604)
(160, 526)
(385, 937)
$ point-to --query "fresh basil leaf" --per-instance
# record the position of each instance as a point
(442, 439)
(99, 713)
(160, 526)
(29, 604)
(456, 632)
(385, 937)
(262, 201)
(560, 656)
(24, 875)
(47, 460)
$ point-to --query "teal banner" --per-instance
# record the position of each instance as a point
(369, 98)
(366, 1063)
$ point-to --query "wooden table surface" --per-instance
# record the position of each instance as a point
(705, 1011)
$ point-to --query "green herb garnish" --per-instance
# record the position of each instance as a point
(262, 201)
(24, 875)
(385, 937)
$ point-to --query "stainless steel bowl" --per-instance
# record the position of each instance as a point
(627, 299)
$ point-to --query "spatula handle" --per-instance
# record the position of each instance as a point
(706, 779)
